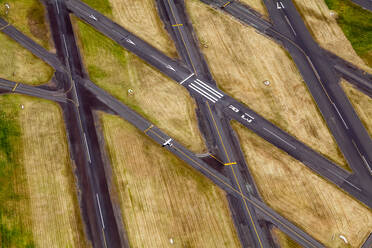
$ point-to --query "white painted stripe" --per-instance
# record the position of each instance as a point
(279, 138)
(290, 25)
(64, 41)
(192, 74)
(192, 87)
(211, 89)
(57, 6)
(206, 93)
(200, 91)
(100, 212)
(365, 161)
(353, 185)
(201, 85)
(282, 5)
(338, 112)
(86, 147)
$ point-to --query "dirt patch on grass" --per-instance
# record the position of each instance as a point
(155, 96)
(304, 198)
(362, 104)
(323, 25)
(161, 198)
(241, 60)
(47, 206)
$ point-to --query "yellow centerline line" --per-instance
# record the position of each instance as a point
(223, 145)
(232, 163)
(147, 129)
(233, 189)
(179, 30)
(15, 87)
(215, 158)
(176, 25)
(236, 179)
(226, 4)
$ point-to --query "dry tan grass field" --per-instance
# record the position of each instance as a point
(241, 60)
(161, 198)
(327, 32)
(155, 96)
(52, 213)
(362, 104)
(19, 65)
(141, 18)
(283, 239)
(257, 5)
(318, 207)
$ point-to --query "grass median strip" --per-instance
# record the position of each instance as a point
(162, 200)
(298, 194)
(39, 205)
(141, 87)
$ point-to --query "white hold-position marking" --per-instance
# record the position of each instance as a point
(192, 74)
(201, 93)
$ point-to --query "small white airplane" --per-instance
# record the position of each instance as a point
(93, 17)
(167, 143)
(130, 41)
(170, 67)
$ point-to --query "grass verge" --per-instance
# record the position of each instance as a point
(155, 96)
(39, 205)
(312, 203)
(362, 104)
(241, 60)
(161, 198)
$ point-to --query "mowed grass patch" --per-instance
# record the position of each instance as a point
(345, 31)
(19, 65)
(304, 198)
(362, 104)
(14, 200)
(241, 60)
(283, 239)
(28, 16)
(161, 197)
(257, 5)
(46, 207)
(155, 96)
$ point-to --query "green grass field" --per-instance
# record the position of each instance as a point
(357, 26)
(13, 231)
